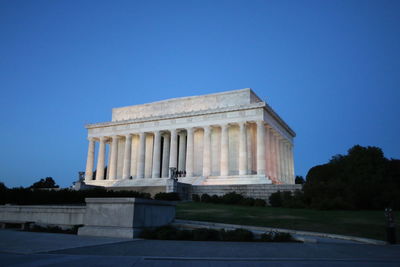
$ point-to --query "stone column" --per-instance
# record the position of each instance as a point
(101, 158)
(260, 148)
(90, 160)
(268, 169)
(126, 171)
(165, 156)
(142, 155)
(182, 152)
(224, 150)
(173, 158)
(156, 155)
(207, 151)
(114, 157)
(291, 157)
(287, 171)
(190, 152)
(281, 161)
(242, 149)
(249, 149)
(277, 159)
(272, 153)
(134, 156)
(107, 163)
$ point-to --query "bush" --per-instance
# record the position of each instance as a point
(275, 199)
(287, 199)
(167, 233)
(195, 198)
(232, 198)
(204, 234)
(172, 196)
(205, 198)
(215, 199)
(148, 233)
(237, 235)
(276, 237)
(258, 202)
(26, 196)
(163, 233)
(185, 235)
(53, 229)
(247, 201)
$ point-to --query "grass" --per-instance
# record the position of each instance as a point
(364, 223)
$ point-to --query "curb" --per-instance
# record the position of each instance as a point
(258, 229)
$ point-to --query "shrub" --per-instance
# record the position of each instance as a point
(185, 235)
(215, 199)
(258, 202)
(172, 196)
(164, 233)
(275, 200)
(148, 233)
(205, 198)
(53, 229)
(204, 234)
(247, 201)
(195, 198)
(276, 237)
(26, 196)
(232, 198)
(237, 235)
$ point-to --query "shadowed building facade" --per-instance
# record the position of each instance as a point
(228, 138)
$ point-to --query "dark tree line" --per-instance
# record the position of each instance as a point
(47, 182)
(362, 179)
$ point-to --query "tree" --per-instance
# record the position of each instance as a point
(48, 182)
(299, 180)
(362, 179)
(2, 186)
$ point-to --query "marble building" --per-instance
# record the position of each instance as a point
(228, 138)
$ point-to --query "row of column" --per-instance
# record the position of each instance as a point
(273, 154)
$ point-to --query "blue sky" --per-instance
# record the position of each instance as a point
(330, 69)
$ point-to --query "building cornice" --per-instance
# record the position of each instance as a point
(197, 113)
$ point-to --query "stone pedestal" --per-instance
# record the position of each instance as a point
(124, 217)
(171, 186)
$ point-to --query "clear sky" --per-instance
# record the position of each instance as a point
(330, 69)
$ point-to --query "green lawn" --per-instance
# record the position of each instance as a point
(369, 224)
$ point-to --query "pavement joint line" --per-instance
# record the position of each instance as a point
(268, 229)
(81, 246)
(268, 259)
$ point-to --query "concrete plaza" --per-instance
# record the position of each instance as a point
(44, 249)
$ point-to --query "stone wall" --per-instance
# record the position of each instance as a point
(124, 217)
(262, 191)
(112, 217)
(152, 190)
(44, 214)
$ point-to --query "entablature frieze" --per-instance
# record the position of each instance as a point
(250, 113)
(178, 123)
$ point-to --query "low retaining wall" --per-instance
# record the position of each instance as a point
(111, 217)
(46, 214)
(124, 217)
(262, 191)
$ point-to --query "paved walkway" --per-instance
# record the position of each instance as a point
(44, 249)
